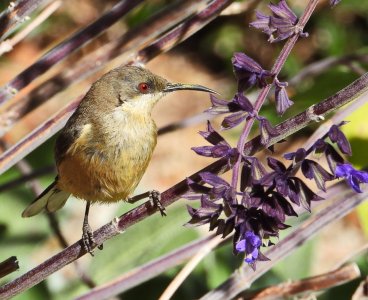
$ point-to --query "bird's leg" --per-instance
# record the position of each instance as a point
(87, 236)
(154, 196)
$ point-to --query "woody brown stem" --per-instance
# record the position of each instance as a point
(288, 289)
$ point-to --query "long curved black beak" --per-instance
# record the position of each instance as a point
(171, 87)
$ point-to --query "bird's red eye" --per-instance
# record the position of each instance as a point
(143, 87)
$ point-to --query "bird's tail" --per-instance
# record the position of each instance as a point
(51, 199)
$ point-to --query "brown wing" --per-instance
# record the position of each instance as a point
(67, 137)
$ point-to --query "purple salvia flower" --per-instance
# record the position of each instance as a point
(220, 147)
(263, 23)
(233, 120)
(248, 72)
(288, 185)
(257, 170)
(273, 204)
(283, 20)
(303, 194)
(283, 11)
(281, 25)
(242, 107)
(352, 176)
(333, 157)
(266, 130)
(212, 136)
(221, 189)
(249, 244)
(319, 147)
(312, 170)
(334, 2)
(281, 97)
(195, 191)
(297, 156)
(237, 104)
(214, 180)
(219, 106)
(338, 137)
(209, 212)
(241, 102)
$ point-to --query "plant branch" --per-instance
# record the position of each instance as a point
(8, 266)
(183, 31)
(288, 289)
(16, 13)
(242, 278)
(27, 177)
(171, 195)
(37, 189)
(63, 49)
(316, 68)
(8, 45)
(189, 267)
(37, 136)
(361, 292)
(148, 271)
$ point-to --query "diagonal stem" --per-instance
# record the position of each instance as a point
(15, 14)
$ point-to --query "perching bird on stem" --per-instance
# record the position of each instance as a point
(104, 149)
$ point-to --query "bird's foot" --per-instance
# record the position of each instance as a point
(88, 239)
(155, 197)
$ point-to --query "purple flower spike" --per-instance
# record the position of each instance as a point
(248, 72)
(352, 176)
(282, 100)
(220, 148)
(219, 106)
(249, 244)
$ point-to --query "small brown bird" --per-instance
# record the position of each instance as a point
(104, 149)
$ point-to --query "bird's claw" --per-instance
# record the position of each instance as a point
(155, 197)
(88, 239)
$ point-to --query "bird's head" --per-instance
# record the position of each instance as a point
(138, 89)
